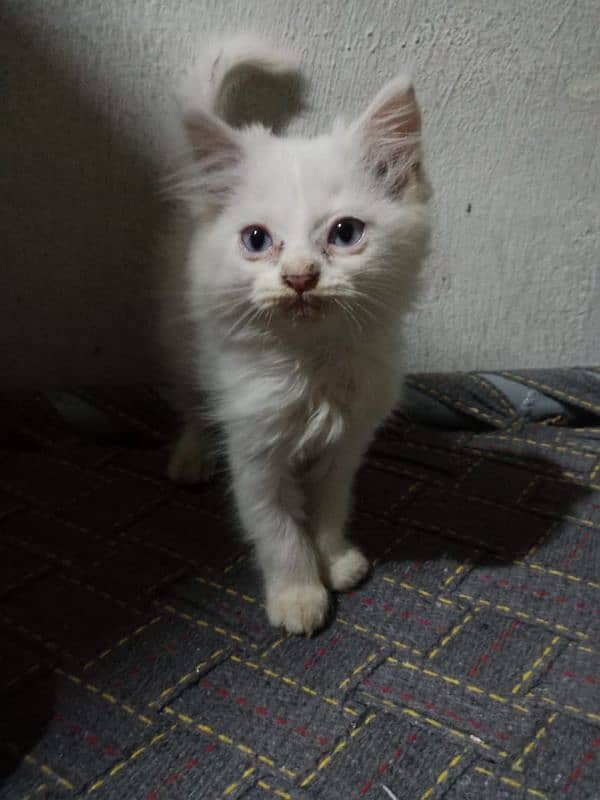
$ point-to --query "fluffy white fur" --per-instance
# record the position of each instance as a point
(296, 386)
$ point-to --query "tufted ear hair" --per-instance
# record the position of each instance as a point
(390, 136)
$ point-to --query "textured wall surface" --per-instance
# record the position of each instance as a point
(511, 97)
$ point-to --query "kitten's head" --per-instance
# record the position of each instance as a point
(294, 233)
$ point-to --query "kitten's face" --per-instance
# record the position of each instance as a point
(306, 236)
(311, 232)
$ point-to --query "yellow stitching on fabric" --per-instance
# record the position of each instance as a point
(551, 390)
(489, 387)
(460, 569)
(510, 782)
(527, 675)
(443, 776)
(276, 792)
(188, 675)
(408, 586)
(455, 630)
(379, 636)
(518, 764)
(527, 490)
(454, 403)
(291, 682)
(121, 642)
(410, 712)
(338, 748)
(569, 708)
(534, 442)
(201, 623)
(104, 695)
(42, 787)
(470, 687)
(557, 573)
(233, 786)
(360, 668)
(132, 757)
(523, 615)
(46, 770)
(227, 589)
(244, 748)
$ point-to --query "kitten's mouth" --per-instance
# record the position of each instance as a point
(302, 307)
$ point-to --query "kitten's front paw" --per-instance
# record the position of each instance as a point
(299, 608)
(348, 569)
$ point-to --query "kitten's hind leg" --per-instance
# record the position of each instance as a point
(193, 458)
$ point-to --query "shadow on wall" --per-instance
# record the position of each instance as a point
(78, 227)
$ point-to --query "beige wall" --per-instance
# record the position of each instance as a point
(511, 96)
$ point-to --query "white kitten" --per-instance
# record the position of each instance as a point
(297, 260)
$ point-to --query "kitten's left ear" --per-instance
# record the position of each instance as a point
(390, 136)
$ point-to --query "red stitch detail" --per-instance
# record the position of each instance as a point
(91, 739)
(504, 584)
(110, 751)
(322, 651)
(175, 776)
(205, 684)
(586, 758)
(322, 741)
(573, 554)
(591, 679)
(495, 646)
(262, 711)
(384, 766)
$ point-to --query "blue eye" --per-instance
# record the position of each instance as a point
(256, 239)
(346, 232)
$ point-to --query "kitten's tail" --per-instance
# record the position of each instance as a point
(244, 80)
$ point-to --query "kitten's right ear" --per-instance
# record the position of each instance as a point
(210, 138)
(216, 154)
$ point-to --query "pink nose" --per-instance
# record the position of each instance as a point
(301, 283)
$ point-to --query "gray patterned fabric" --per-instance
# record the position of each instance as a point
(136, 660)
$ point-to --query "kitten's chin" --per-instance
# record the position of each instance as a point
(299, 309)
